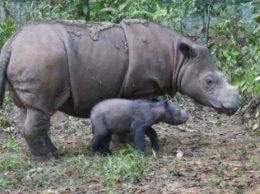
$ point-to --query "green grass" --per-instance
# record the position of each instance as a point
(223, 184)
(11, 145)
(223, 153)
(127, 166)
(4, 122)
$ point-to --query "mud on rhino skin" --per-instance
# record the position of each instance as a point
(66, 70)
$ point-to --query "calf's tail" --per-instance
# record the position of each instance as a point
(4, 61)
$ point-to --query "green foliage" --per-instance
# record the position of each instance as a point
(223, 184)
(9, 162)
(257, 165)
(4, 122)
(8, 98)
(223, 154)
(45, 11)
(11, 145)
(115, 11)
(236, 49)
(219, 123)
(126, 166)
(7, 27)
(3, 181)
(211, 182)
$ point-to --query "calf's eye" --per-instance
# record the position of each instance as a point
(209, 81)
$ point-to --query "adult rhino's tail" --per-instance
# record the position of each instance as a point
(4, 61)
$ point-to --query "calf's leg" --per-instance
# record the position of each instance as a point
(101, 140)
(139, 138)
(151, 133)
(100, 144)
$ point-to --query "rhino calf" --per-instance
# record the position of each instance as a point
(120, 116)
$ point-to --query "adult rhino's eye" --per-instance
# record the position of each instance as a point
(209, 82)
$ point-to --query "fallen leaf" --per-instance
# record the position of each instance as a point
(69, 172)
(255, 127)
(179, 154)
(163, 170)
(13, 191)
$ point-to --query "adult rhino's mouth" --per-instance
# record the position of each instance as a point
(228, 112)
(227, 108)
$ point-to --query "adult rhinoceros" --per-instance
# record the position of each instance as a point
(71, 66)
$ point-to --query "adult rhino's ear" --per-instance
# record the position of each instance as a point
(187, 50)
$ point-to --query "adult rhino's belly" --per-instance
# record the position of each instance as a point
(83, 110)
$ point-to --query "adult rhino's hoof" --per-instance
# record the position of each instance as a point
(49, 156)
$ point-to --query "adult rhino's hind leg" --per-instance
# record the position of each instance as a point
(36, 126)
(23, 113)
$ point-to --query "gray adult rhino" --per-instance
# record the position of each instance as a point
(71, 66)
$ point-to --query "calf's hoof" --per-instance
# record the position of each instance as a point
(102, 153)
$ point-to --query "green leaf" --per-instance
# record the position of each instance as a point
(85, 10)
(225, 53)
(223, 184)
(123, 6)
(71, 9)
(77, 2)
(219, 123)
(108, 9)
(235, 53)
(257, 18)
(244, 88)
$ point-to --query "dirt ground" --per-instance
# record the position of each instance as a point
(211, 153)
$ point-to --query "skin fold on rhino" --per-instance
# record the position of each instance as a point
(71, 66)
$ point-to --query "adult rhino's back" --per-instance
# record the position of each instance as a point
(65, 64)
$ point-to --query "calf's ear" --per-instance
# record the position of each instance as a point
(154, 99)
(187, 50)
(166, 104)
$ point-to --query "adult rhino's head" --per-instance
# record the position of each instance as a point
(198, 78)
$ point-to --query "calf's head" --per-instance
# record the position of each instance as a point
(200, 80)
(173, 115)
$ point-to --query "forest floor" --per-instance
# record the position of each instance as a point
(211, 153)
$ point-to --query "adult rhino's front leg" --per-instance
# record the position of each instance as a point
(35, 130)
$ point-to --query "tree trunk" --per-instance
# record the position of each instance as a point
(86, 3)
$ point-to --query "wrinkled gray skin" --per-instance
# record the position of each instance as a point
(70, 67)
(120, 116)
